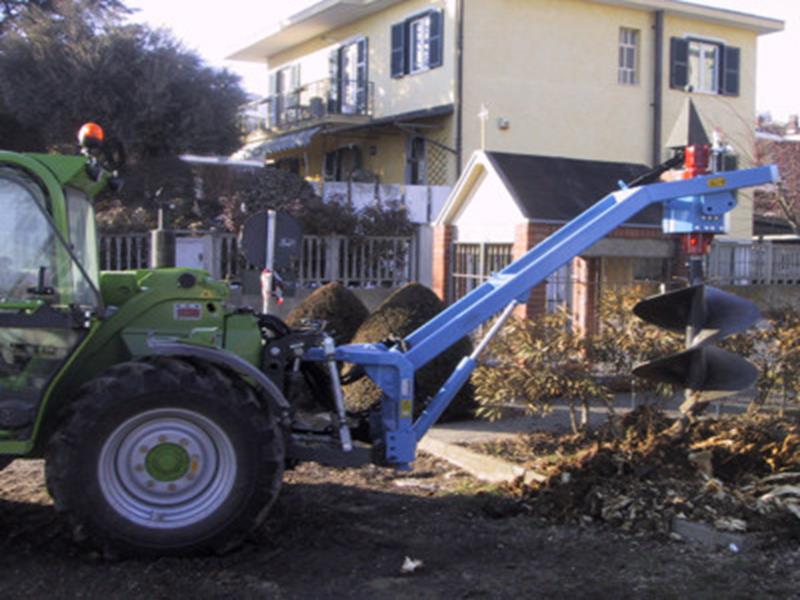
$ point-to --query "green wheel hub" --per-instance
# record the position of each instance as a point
(167, 462)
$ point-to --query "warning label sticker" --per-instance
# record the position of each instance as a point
(187, 311)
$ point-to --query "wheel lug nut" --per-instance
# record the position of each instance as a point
(143, 449)
(172, 487)
(184, 442)
(150, 483)
(162, 438)
(139, 468)
(190, 476)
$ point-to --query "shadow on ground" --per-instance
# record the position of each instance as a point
(329, 540)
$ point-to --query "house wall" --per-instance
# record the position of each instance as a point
(488, 213)
(392, 96)
(550, 68)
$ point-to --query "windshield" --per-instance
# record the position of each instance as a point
(27, 242)
(83, 240)
(30, 251)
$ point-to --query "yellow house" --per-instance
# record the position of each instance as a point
(392, 90)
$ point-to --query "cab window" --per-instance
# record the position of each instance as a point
(27, 242)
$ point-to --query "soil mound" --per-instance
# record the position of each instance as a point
(333, 303)
(400, 314)
(737, 474)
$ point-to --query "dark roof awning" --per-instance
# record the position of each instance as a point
(290, 141)
(558, 189)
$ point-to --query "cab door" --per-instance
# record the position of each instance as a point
(45, 294)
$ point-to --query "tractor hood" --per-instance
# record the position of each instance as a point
(118, 287)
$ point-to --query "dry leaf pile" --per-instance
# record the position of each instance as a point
(737, 474)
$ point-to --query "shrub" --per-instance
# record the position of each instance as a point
(400, 314)
(534, 362)
(333, 303)
(774, 350)
(623, 340)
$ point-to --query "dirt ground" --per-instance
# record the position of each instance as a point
(345, 533)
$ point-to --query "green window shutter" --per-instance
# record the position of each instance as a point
(274, 103)
(333, 91)
(679, 63)
(399, 67)
(729, 73)
(436, 39)
(362, 83)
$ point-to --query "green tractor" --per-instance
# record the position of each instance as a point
(161, 410)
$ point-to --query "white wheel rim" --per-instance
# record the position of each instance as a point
(144, 474)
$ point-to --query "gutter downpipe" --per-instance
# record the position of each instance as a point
(459, 83)
(658, 85)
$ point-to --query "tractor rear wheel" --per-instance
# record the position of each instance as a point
(165, 457)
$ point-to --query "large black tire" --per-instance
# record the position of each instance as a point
(166, 457)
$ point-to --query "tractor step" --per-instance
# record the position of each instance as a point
(15, 414)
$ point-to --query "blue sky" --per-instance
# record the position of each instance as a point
(215, 29)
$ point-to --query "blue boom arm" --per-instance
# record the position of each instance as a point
(691, 205)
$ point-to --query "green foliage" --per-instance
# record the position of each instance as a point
(140, 84)
(151, 183)
(623, 340)
(773, 347)
(534, 362)
(18, 13)
(249, 192)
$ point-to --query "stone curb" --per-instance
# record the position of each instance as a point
(486, 468)
(709, 537)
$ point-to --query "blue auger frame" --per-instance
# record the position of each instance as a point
(691, 205)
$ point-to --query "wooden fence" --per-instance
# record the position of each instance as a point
(754, 263)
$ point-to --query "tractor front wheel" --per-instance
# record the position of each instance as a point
(166, 457)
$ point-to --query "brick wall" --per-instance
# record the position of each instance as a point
(442, 244)
(586, 271)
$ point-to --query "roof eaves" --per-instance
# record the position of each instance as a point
(455, 200)
(760, 24)
(315, 20)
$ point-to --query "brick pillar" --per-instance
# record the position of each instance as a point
(442, 244)
(585, 294)
(526, 236)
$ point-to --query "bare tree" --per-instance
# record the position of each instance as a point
(784, 200)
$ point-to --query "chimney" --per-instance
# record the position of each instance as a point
(793, 126)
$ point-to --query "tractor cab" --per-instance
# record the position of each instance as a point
(49, 275)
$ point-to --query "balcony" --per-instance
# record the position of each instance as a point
(338, 101)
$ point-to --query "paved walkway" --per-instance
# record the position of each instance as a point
(476, 431)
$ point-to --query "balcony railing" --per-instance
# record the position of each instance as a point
(331, 99)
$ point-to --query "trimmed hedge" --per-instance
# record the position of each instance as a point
(337, 306)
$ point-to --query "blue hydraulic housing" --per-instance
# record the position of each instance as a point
(706, 213)
(692, 205)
